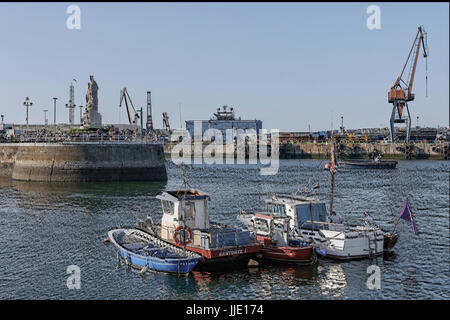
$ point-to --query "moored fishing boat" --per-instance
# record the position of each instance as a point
(310, 220)
(273, 232)
(185, 223)
(146, 252)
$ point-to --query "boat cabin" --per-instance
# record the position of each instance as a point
(271, 229)
(306, 213)
(186, 220)
(183, 208)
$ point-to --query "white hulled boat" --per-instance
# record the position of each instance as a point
(310, 221)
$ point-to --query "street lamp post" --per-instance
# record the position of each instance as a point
(54, 110)
(27, 103)
(45, 117)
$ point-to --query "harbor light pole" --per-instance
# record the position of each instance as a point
(27, 103)
(45, 117)
(54, 110)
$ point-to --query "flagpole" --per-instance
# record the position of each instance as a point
(395, 225)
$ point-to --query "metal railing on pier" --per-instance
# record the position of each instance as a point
(82, 138)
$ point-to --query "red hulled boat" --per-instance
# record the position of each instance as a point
(272, 232)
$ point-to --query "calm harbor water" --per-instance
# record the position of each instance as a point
(46, 227)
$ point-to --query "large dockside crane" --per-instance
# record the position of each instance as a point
(401, 92)
(124, 96)
(166, 122)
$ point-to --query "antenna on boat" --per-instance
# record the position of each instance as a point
(307, 185)
(185, 182)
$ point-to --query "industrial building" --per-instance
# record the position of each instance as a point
(223, 120)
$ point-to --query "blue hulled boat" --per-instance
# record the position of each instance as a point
(145, 251)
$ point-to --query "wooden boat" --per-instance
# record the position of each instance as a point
(145, 251)
(273, 232)
(369, 164)
(185, 223)
(289, 254)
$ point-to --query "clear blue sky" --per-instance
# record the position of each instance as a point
(287, 64)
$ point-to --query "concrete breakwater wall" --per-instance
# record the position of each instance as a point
(83, 161)
(368, 150)
(419, 150)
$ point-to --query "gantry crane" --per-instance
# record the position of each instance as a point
(400, 95)
(166, 122)
(124, 96)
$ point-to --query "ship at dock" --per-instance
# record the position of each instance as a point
(186, 224)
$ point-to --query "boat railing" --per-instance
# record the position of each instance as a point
(221, 234)
(214, 236)
(338, 227)
(163, 243)
(330, 225)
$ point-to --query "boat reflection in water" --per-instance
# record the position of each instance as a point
(50, 194)
(333, 282)
(267, 282)
(288, 281)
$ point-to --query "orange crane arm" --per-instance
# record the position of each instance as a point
(397, 91)
(421, 40)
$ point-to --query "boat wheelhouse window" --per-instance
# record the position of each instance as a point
(188, 209)
(278, 225)
(167, 207)
(262, 225)
(311, 211)
(275, 208)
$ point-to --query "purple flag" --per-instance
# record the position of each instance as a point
(406, 214)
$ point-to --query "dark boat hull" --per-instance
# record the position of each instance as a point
(390, 241)
(369, 164)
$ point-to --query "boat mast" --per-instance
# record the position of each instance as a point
(182, 207)
(333, 170)
(332, 192)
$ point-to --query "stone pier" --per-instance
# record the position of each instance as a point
(92, 161)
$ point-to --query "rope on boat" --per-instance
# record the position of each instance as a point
(127, 260)
(143, 270)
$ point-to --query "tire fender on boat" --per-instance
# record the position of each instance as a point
(188, 240)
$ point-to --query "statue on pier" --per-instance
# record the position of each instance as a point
(91, 117)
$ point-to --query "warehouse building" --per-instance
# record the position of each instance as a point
(223, 120)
